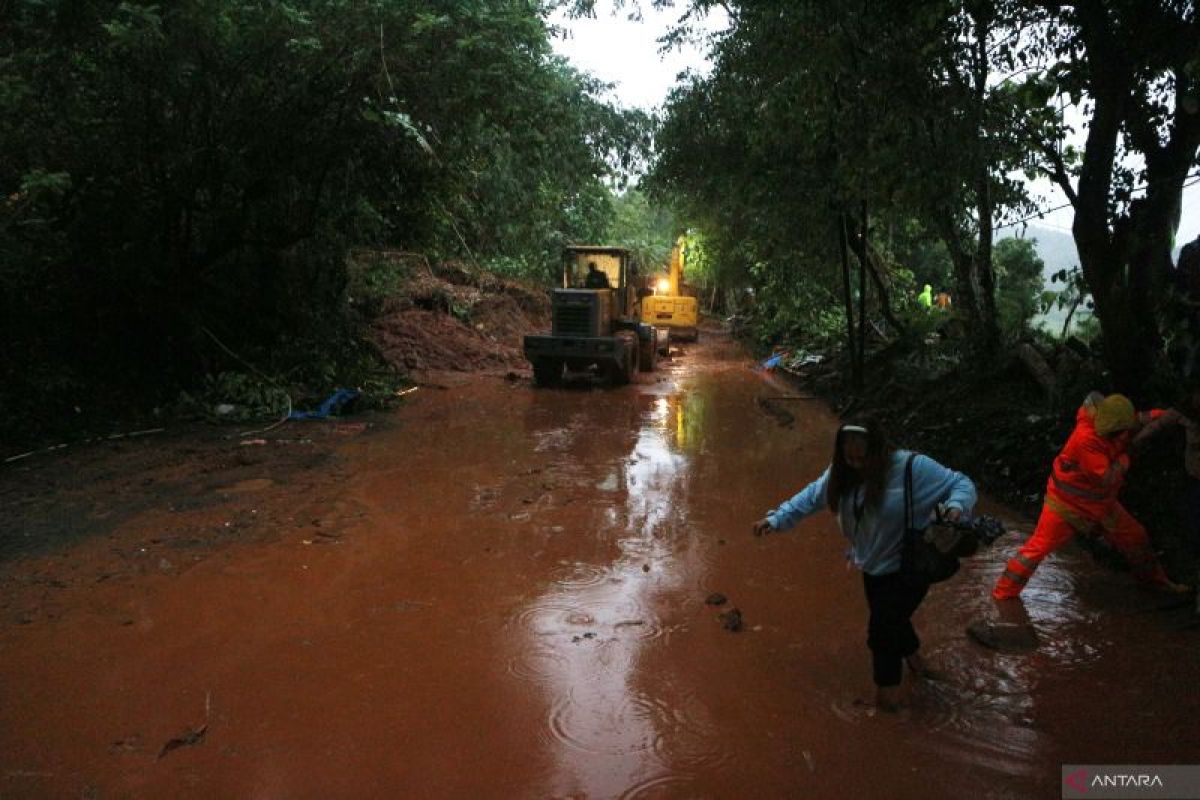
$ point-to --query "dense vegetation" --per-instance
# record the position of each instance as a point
(182, 182)
(841, 155)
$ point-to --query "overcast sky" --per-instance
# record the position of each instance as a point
(626, 53)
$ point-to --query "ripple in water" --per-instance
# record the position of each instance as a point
(687, 737)
(982, 731)
(978, 717)
(620, 620)
(669, 785)
(536, 665)
(579, 576)
(550, 619)
(601, 724)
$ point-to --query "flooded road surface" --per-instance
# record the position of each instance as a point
(502, 594)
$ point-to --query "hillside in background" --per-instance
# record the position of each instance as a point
(1057, 250)
(1055, 247)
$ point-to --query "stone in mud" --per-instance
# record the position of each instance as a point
(731, 620)
(715, 599)
(1003, 637)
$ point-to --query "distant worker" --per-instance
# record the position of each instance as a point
(925, 298)
(1081, 497)
(596, 279)
(942, 300)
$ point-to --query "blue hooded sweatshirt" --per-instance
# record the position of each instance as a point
(876, 535)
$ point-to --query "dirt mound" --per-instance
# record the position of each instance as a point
(451, 317)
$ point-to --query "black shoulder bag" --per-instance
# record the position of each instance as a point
(921, 561)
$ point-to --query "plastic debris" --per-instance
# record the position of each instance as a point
(332, 405)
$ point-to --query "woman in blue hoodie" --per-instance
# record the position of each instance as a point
(864, 488)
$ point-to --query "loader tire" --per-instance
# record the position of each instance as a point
(547, 372)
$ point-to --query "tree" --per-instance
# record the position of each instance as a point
(1019, 282)
(645, 227)
(184, 169)
(825, 125)
(1135, 69)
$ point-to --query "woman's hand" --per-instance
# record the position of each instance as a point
(762, 527)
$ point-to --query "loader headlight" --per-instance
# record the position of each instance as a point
(663, 285)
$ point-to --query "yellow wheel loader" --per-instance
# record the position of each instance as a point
(595, 320)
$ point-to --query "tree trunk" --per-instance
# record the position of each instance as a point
(964, 283)
(982, 274)
(862, 293)
(1126, 260)
(875, 270)
(871, 261)
(848, 300)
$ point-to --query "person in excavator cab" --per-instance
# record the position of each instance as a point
(1081, 497)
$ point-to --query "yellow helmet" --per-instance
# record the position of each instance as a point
(1113, 414)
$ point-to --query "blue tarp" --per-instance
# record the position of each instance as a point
(332, 405)
(773, 361)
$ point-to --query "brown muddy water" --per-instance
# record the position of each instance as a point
(501, 593)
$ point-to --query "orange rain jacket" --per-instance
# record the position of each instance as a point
(1089, 472)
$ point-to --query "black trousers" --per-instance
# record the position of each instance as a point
(890, 632)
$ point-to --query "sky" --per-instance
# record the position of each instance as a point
(626, 53)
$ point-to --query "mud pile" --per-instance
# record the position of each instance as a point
(452, 317)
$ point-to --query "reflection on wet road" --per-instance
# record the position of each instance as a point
(630, 713)
(516, 608)
(587, 633)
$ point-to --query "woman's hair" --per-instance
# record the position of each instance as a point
(873, 476)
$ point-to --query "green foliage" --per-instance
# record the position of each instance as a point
(1018, 282)
(234, 397)
(521, 268)
(817, 113)
(1143, 134)
(807, 313)
(1072, 303)
(374, 278)
(699, 267)
(207, 164)
(644, 226)
(922, 257)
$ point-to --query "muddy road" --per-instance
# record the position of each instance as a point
(499, 591)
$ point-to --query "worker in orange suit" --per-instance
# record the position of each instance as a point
(1081, 497)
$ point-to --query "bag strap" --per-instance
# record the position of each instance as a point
(908, 501)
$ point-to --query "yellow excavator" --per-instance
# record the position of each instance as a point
(668, 307)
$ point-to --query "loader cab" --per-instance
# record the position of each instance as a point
(616, 264)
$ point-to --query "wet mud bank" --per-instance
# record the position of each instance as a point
(511, 593)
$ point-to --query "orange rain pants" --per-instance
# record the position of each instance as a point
(1054, 530)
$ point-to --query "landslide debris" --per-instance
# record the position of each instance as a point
(453, 317)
